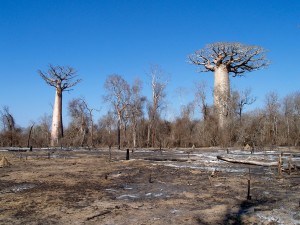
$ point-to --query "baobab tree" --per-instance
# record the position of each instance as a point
(62, 79)
(223, 58)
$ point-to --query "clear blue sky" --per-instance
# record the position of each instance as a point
(99, 38)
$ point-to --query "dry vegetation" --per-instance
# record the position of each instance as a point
(153, 187)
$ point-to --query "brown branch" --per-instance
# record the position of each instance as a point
(238, 58)
(248, 162)
(60, 77)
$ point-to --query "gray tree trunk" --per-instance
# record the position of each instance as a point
(119, 131)
(134, 134)
(221, 94)
(57, 125)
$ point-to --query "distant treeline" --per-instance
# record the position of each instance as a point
(276, 124)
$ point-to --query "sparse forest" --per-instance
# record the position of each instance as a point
(135, 120)
(149, 112)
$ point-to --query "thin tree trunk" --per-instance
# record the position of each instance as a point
(148, 134)
(119, 132)
(153, 135)
(134, 134)
(82, 130)
(29, 136)
(134, 139)
(92, 132)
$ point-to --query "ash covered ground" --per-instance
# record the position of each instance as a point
(173, 186)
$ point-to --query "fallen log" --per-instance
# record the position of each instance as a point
(98, 214)
(248, 162)
(165, 159)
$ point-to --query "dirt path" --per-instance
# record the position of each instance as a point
(170, 187)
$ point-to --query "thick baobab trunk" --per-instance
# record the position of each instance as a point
(57, 125)
(221, 94)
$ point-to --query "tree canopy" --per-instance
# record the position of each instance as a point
(237, 58)
(60, 76)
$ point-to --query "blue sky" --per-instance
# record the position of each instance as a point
(99, 38)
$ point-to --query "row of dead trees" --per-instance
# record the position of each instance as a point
(268, 127)
(137, 121)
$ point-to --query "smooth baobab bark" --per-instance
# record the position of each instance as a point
(221, 94)
(57, 122)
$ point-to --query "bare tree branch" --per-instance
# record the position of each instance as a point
(60, 76)
(238, 58)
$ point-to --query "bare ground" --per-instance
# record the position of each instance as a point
(153, 187)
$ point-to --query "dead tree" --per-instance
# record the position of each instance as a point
(158, 86)
(29, 134)
(272, 113)
(8, 123)
(61, 78)
(90, 110)
(80, 118)
(223, 58)
(135, 109)
(118, 93)
(244, 98)
(200, 99)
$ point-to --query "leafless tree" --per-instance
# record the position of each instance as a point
(183, 127)
(8, 121)
(80, 118)
(158, 86)
(41, 132)
(118, 94)
(223, 58)
(61, 78)
(297, 118)
(29, 134)
(90, 110)
(135, 108)
(107, 126)
(181, 93)
(8, 124)
(200, 98)
(291, 114)
(272, 106)
(242, 99)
